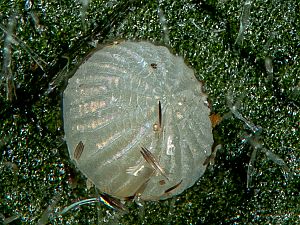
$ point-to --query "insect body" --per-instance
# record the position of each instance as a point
(133, 95)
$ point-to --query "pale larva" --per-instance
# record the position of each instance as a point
(141, 120)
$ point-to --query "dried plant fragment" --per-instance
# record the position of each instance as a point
(159, 115)
(173, 187)
(78, 150)
(149, 157)
(111, 202)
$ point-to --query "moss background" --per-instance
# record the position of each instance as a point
(37, 180)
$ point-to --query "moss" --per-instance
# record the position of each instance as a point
(35, 168)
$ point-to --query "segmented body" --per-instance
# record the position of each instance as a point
(111, 105)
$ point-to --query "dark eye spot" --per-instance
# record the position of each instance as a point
(162, 182)
(154, 65)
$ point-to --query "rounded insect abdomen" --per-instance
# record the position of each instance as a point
(139, 114)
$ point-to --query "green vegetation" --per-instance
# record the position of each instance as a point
(42, 41)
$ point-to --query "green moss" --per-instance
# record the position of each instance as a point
(35, 170)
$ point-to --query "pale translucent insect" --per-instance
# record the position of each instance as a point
(132, 95)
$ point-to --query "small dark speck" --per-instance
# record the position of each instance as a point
(162, 182)
(154, 65)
